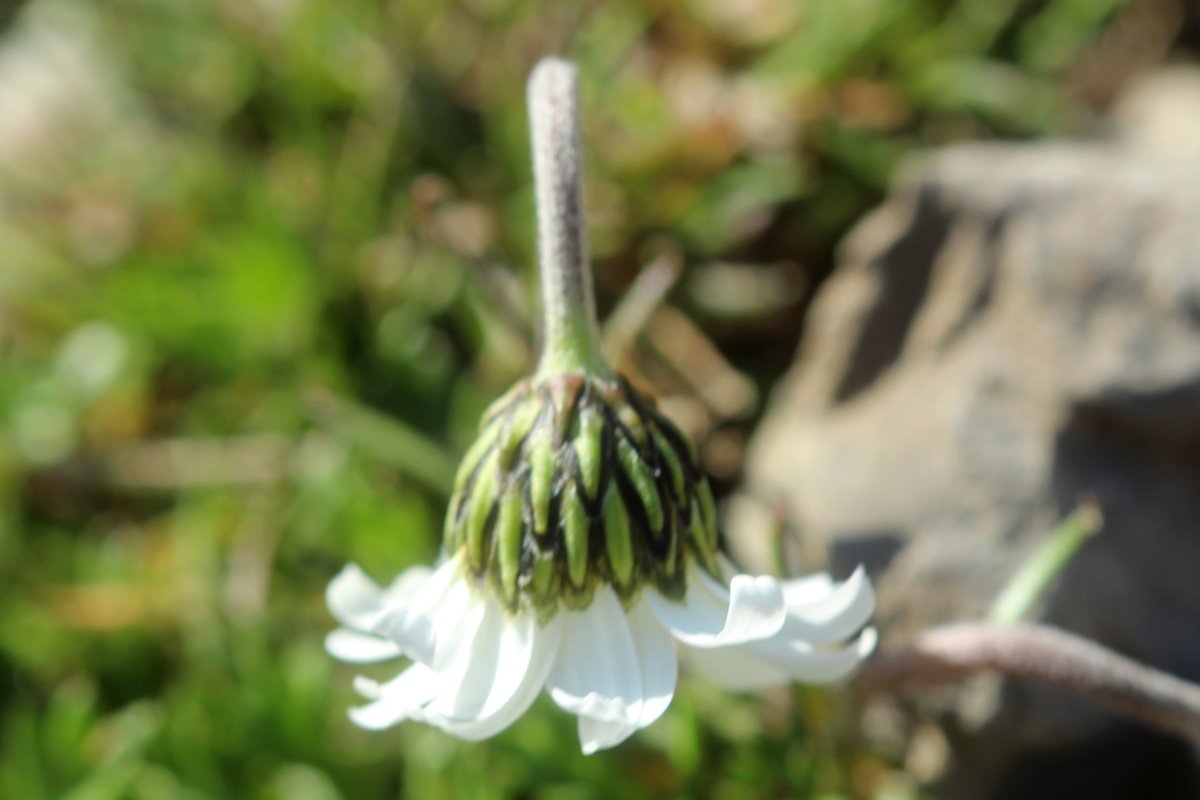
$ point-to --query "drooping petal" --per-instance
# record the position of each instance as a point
(448, 575)
(710, 616)
(496, 716)
(407, 584)
(484, 675)
(369, 688)
(736, 668)
(410, 633)
(359, 648)
(616, 672)
(400, 684)
(799, 591)
(595, 734)
(397, 700)
(353, 598)
(795, 590)
(410, 623)
(657, 662)
(755, 665)
(457, 623)
(832, 617)
(596, 673)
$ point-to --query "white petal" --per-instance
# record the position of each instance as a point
(407, 584)
(656, 661)
(833, 617)
(381, 714)
(483, 676)
(769, 663)
(800, 591)
(410, 623)
(597, 734)
(795, 590)
(457, 624)
(617, 673)
(369, 688)
(398, 699)
(736, 668)
(596, 673)
(359, 648)
(709, 616)
(430, 595)
(409, 632)
(546, 642)
(419, 685)
(353, 598)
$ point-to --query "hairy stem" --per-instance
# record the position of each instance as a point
(571, 335)
(1044, 654)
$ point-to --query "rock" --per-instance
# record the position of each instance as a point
(1159, 113)
(1015, 330)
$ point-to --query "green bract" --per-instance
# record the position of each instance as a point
(577, 479)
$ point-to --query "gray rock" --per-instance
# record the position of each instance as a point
(1015, 330)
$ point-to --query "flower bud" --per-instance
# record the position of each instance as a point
(577, 480)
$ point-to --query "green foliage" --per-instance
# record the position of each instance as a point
(235, 233)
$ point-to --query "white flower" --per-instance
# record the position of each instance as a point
(478, 666)
(581, 542)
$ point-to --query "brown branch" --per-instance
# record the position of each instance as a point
(1044, 654)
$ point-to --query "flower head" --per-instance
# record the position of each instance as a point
(581, 547)
(577, 481)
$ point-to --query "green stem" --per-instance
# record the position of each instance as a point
(571, 335)
(1034, 576)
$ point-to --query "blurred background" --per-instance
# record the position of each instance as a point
(264, 262)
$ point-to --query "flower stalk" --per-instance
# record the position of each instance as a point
(576, 480)
(1044, 654)
(571, 335)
